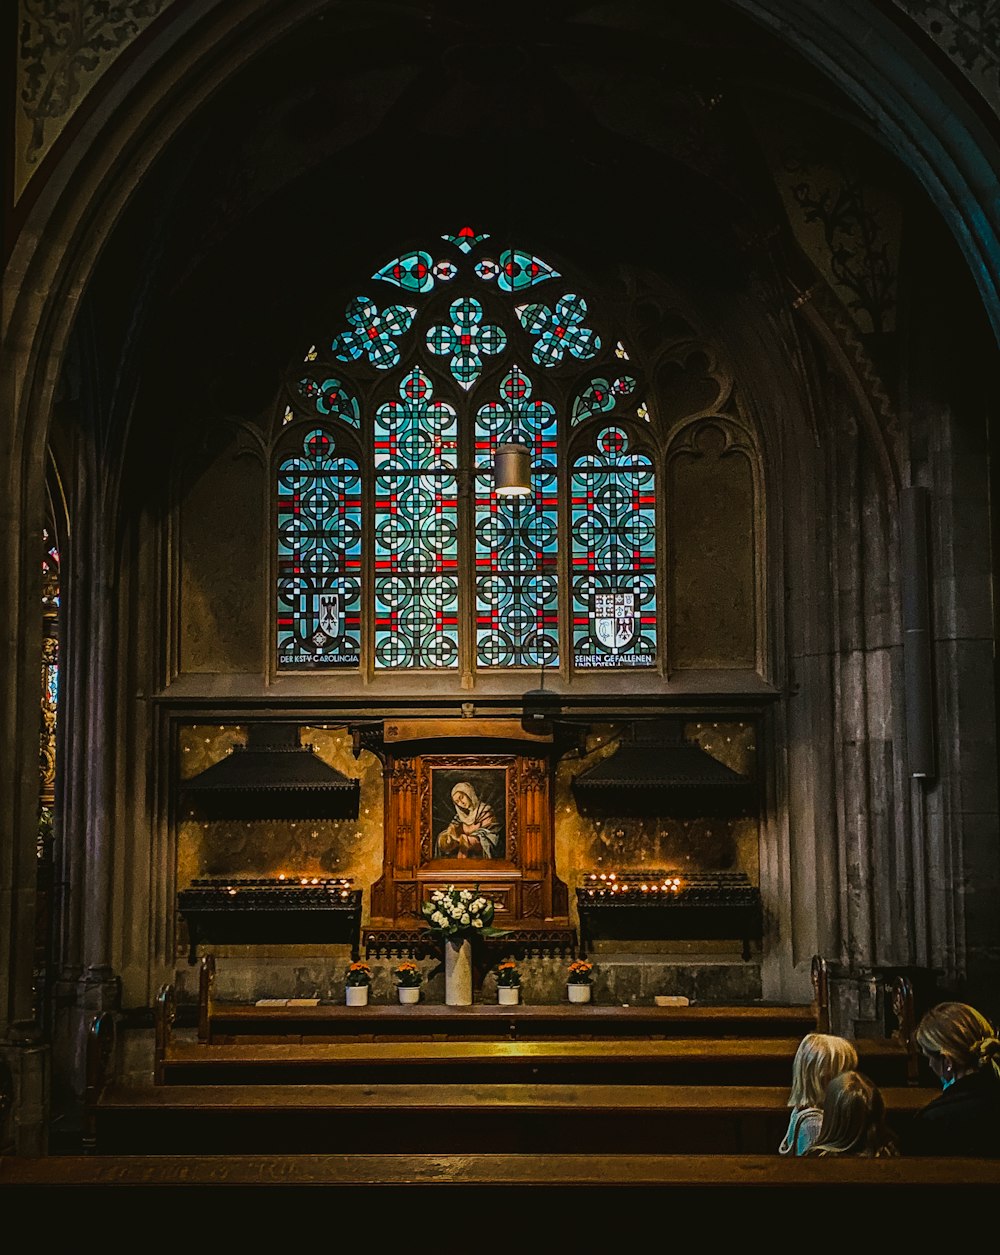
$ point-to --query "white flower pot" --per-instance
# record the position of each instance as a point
(357, 995)
(458, 973)
(578, 993)
(408, 993)
(508, 995)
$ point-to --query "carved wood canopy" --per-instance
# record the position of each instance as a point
(468, 802)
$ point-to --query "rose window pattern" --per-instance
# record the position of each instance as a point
(393, 551)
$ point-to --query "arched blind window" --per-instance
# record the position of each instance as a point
(393, 551)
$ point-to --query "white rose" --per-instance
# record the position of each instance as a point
(439, 919)
(465, 920)
(477, 923)
(466, 895)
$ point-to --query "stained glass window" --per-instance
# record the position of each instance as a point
(50, 664)
(319, 556)
(613, 507)
(517, 583)
(394, 552)
(416, 529)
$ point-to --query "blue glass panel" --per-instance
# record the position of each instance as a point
(613, 523)
(319, 557)
(517, 590)
(600, 397)
(331, 398)
(559, 331)
(519, 270)
(465, 339)
(372, 334)
(413, 272)
(416, 530)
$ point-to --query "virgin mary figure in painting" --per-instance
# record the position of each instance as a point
(474, 832)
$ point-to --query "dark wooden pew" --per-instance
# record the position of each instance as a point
(513, 1085)
(635, 1181)
(648, 1061)
(452, 1118)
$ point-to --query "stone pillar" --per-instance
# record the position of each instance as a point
(87, 984)
(23, 1060)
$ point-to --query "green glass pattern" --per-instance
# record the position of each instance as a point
(331, 399)
(520, 270)
(413, 272)
(559, 331)
(600, 397)
(613, 527)
(319, 557)
(466, 239)
(517, 586)
(416, 529)
(372, 334)
(465, 339)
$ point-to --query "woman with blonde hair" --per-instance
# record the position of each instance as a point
(819, 1058)
(963, 1051)
(854, 1120)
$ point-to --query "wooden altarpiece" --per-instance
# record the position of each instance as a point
(509, 770)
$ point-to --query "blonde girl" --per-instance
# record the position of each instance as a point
(854, 1120)
(819, 1058)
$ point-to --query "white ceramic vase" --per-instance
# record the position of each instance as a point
(508, 995)
(356, 995)
(578, 993)
(458, 973)
(408, 993)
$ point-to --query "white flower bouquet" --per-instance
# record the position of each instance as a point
(454, 914)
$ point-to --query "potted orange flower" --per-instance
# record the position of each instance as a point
(359, 977)
(508, 983)
(408, 980)
(578, 980)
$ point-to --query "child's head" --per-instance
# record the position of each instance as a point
(819, 1058)
(853, 1119)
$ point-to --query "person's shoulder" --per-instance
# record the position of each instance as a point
(807, 1127)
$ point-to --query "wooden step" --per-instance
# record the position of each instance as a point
(689, 1060)
(449, 1118)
